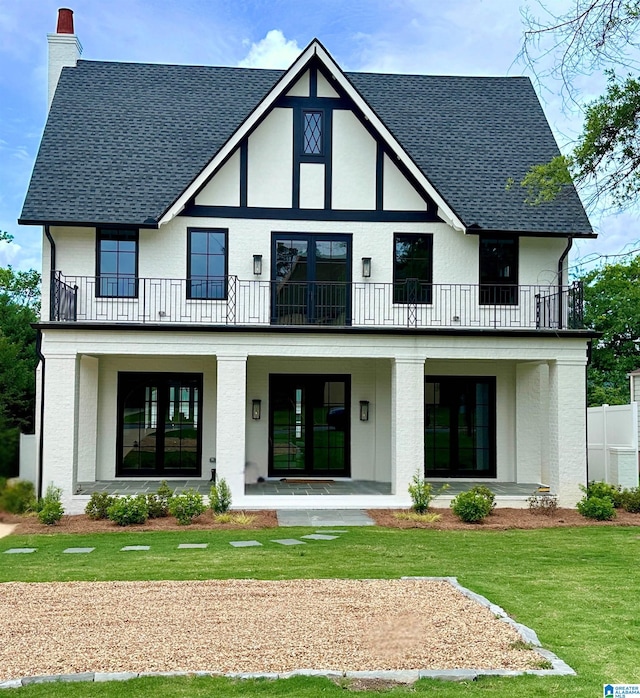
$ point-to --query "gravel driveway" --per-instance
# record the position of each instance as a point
(248, 626)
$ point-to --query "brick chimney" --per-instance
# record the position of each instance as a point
(64, 49)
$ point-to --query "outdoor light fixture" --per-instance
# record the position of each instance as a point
(364, 410)
(256, 409)
(366, 267)
(257, 264)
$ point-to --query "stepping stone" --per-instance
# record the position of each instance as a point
(289, 541)
(78, 550)
(136, 547)
(331, 530)
(15, 551)
(245, 543)
(187, 546)
(319, 536)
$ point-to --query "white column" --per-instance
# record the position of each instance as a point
(567, 430)
(531, 422)
(407, 422)
(87, 418)
(59, 425)
(231, 411)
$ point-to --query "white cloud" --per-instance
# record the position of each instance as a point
(274, 51)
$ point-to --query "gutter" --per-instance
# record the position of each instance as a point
(41, 435)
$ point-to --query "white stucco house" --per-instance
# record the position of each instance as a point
(306, 277)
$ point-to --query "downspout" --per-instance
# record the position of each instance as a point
(52, 268)
(563, 256)
(586, 405)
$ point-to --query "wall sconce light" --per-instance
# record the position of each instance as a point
(257, 264)
(366, 267)
(364, 410)
(256, 409)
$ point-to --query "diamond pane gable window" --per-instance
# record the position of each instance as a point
(117, 263)
(207, 264)
(312, 133)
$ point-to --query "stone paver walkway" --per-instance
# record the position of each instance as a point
(323, 517)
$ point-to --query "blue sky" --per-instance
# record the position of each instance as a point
(459, 37)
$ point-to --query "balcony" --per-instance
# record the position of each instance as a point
(250, 303)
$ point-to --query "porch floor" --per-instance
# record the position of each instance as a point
(279, 487)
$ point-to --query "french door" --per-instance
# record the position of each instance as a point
(309, 426)
(460, 438)
(311, 279)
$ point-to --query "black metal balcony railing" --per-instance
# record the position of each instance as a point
(410, 304)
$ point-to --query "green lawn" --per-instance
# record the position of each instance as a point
(578, 588)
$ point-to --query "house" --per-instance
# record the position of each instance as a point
(302, 277)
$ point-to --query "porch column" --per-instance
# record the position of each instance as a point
(59, 425)
(567, 430)
(87, 418)
(231, 411)
(407, 422)
(531, 422)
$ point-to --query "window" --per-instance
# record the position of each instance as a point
(498, 271)
(159, 427)
(207, 264)
(412, 268)
(117, 263)
(312, 133)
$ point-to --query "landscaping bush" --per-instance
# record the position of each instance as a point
(598, 508)
(18, 497)
(187, 506)
(161, 504)
(485, 492)
(631, 500)
(98, 505)
(471, 507)
(543, 503)
(220, 497)
(422, 492)
(604, 490)
(50, 508)
(129, 510)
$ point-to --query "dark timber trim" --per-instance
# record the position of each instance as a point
(379, 176)
(244, 172)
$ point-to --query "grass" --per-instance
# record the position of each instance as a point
(578, 588)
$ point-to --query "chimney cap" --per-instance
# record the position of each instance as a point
(65, 21)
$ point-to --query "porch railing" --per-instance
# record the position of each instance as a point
(234, 301)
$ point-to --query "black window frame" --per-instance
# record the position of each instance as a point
(496, 289)
(304, 155)
(413, 290)
(207, 280)
(128, 234)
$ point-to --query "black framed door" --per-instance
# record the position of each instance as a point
(159, 424)
(460, 426)
(309, 425)
(311, 279)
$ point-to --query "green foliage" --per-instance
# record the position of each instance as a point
(158, 503)
(485, 492)
(630, 500)
(220, 497)
(598, 508)
(604, 490)
(543, 503)
(129, 510)
(422, 492)
(50, 509)
(9, 447)
(98, 505)
(544, 182)
(187, 506)
(18, 497)
(471, 507)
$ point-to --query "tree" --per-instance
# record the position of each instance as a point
(612, 300)
(605, 161)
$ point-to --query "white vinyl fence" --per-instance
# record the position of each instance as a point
(613, 444)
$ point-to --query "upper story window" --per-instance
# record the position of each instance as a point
(498, 271)
(117, 263)
(312, 141)
(207, 264)
(412, 268)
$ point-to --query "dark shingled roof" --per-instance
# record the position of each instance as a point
(124, 140)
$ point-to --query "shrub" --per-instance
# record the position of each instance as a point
(543, 503)
(485, 492)
(422, 492)
(220, 497)
(428, 517)
(604, 490)
(129, 510)
(163, 497)
(598, 508)
(18, 497)
(187, 506)
(51, 510)
(631, 500)
(98, 505)
(471, 507)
